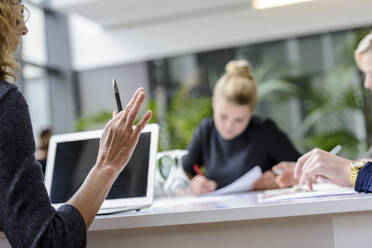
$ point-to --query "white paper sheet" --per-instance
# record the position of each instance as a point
(319, 190)
(243, 184)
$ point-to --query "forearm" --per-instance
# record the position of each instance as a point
(90, 196)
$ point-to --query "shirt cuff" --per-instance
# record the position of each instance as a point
(75, 222)
(363, 182)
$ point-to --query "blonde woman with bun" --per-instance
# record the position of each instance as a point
(26, 216)
(341, 171)
(234, 140)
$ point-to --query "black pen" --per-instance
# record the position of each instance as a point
(117, 96)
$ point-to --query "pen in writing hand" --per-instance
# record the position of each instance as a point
(197, 170)
(336, 149)
(117, 96)
(333, 151)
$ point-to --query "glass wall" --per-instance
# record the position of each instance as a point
(36, 92)
(310, 86)
(34, 43)
(34, 79)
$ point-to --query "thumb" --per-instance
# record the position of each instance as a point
(212, 185)
(114, 113)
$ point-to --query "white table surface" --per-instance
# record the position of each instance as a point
(237, 221)
(193, 210)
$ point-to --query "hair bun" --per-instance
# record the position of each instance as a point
(240, 68)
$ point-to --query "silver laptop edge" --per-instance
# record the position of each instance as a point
(109, 205)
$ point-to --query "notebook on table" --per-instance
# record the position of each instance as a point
(71, 156)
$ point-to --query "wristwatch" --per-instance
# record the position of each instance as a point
(355, 166)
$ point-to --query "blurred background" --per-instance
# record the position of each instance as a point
(301, 55)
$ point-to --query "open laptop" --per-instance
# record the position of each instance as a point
(71, 156)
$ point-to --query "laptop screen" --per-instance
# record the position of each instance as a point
(74, 159)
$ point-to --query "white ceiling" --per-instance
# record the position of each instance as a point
(119, 14)
(140, 30)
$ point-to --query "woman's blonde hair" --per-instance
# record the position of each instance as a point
(10, 18)
(237, 85)
(364, 46)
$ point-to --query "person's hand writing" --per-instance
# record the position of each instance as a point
(286, 176)
(119, 137)
(318, 163)
(200, 185)
(267, 181)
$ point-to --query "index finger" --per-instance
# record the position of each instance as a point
(308, 176)
(300, 163)
(133, 113)
(133, 99)
(123, 114)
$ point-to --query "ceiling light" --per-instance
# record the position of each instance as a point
(265, 4)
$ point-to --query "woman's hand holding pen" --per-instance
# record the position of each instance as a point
(319, 163)
(119, 138)
(200, 185)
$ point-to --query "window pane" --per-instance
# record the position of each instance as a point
(311, 54)
(36, 92)
(35, 1)
(34, 43)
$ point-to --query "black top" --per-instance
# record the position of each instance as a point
(26, 215)
(261, 143)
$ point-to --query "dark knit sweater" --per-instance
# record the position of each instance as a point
(261, 143)
(26, 215)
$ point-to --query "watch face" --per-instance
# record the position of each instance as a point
(358, 164)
